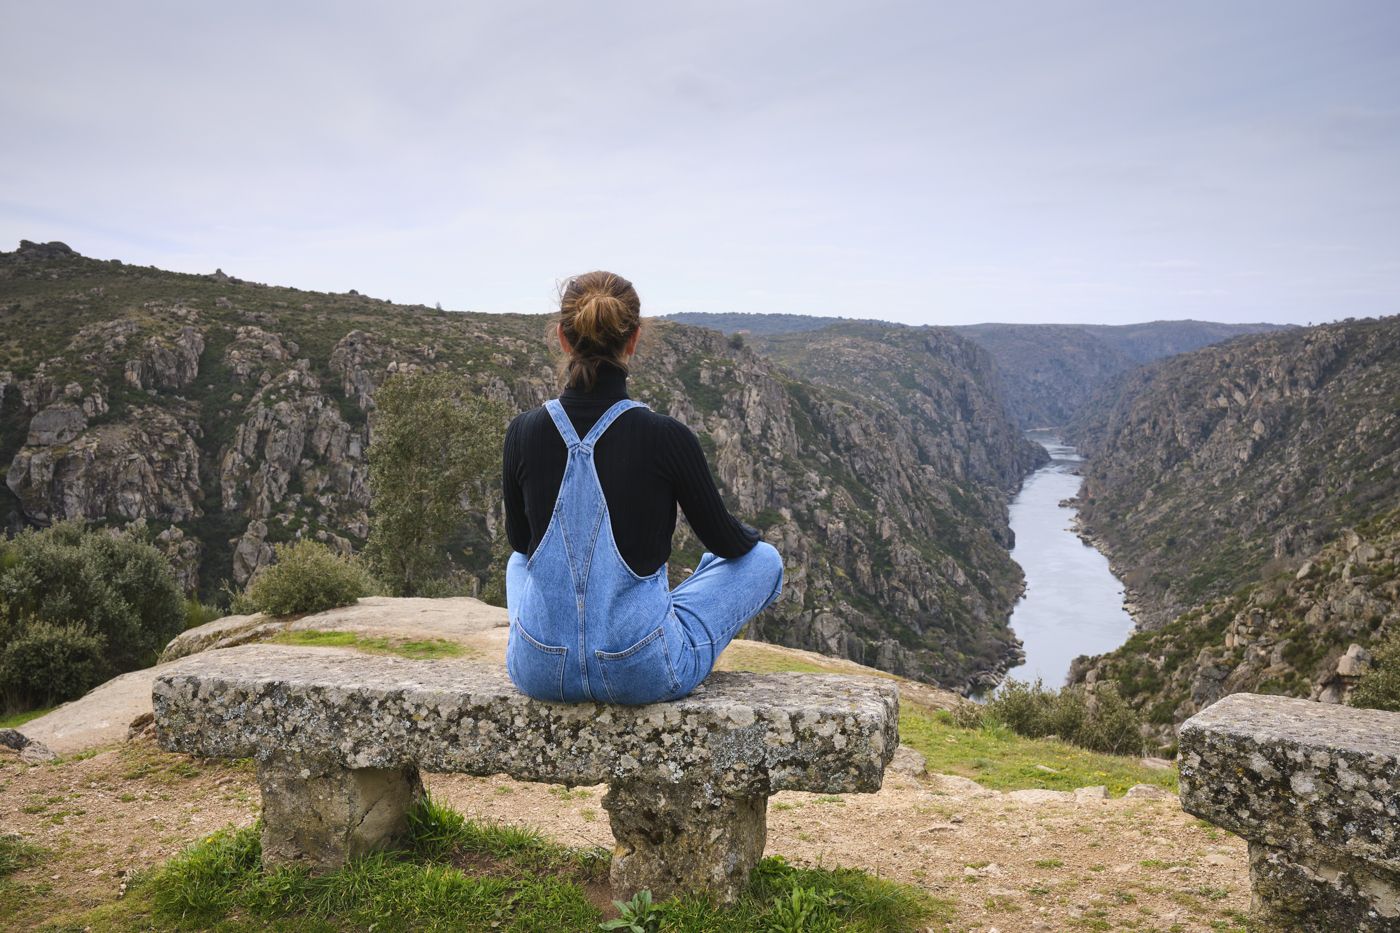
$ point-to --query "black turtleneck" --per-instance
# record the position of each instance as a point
(647, 463)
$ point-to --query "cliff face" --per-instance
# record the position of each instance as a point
(226, 416)
(1305, 633)
(1208, 468)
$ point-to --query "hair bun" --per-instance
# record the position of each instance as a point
(599, 312)
(600, 318)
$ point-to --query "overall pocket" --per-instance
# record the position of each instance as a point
(536, 669)
(641, 673)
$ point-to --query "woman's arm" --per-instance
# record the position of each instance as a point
(722, 534)
(517, 523)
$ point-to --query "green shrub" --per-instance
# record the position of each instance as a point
(79, 606)
(45, 663)
(1022, 707)
(307, 576)
(1379, 686)
(198, 613)
(968, 715)
(1110, 724)
(1100, 720)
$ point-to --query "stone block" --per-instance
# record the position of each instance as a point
(319, 814)
(1315, 789)
(675, 837)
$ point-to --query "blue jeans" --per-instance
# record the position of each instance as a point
(708, 608)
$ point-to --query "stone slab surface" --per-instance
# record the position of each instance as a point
(742, 733)
(1296, 775)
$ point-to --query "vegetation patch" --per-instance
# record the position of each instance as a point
(15, 853)
(79, 606)
(455, 874)
(996, 757)
(1379, 687)
(425, 649)
(15, 720)
(1099, 720)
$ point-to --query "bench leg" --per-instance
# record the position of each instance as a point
(1320, 891)
(320, 815)
(682, 837)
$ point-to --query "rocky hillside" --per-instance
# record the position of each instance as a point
(226, 416)
(1306, 632)
(1209, 470)
(1048, 372)
(945, 389)
(751, 324)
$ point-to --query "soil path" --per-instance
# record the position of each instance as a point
(1005, 863)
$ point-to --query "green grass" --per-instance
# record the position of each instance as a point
(459, 875)
(427, 649)
(15, 854)
(15, 720)
(993, 755)
(998, 758)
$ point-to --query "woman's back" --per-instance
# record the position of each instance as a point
(647, 463)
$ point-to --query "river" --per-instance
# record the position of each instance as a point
(1073, 604)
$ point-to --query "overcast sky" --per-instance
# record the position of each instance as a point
(922, 162)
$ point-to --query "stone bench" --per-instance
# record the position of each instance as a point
(339, 740)
(1315, 790)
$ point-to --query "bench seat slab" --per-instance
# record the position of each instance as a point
(747, 733)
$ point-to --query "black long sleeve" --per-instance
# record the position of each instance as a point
(647, 464)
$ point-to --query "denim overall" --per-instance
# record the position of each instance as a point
(585, 627)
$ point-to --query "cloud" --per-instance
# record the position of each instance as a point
(1091, 161)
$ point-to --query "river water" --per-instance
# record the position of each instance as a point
(1073, 604)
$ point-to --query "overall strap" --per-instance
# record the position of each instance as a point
(591, 438)
(561, 421)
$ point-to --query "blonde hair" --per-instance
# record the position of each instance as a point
(599, 311)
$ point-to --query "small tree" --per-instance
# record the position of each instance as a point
(431, 443)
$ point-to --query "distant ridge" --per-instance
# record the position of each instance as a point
(764, 325)
(1049, 372)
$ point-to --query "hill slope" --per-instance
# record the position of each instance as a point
(226, 416)
(1245, 495)
(1290, 634)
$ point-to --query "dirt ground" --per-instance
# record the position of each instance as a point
(1005, 862)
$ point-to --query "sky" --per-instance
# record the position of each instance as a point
(923, 162)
